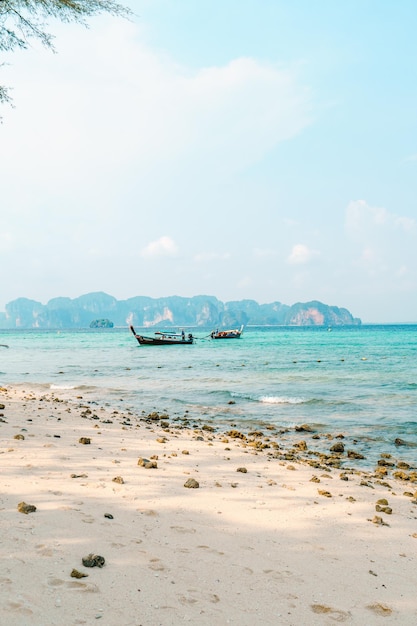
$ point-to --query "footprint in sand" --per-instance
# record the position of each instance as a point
(85, 587)
(211, 550)
(18, 607)
(182, 529)
(379, 609)
(43, 550)
(334, 614)
(156, 565)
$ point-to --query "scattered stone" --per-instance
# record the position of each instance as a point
(185, 452)
(338, 447)
(235, 434)
(243, 470)
(93, 560)
(324, 493)
(191, 483)
(304, 428)
(378, 520)
(354, 455)
(385, 463)
(79, 475)
(314, 479)
(22, 507)
(401, 475)
(118, 479)
(84, 440)
(382, 501)
(19, 436)
(383, 509)
(76, 574)
(162, 440)
(300, 445)
(402, 465)
(400, 442)
(147, 464)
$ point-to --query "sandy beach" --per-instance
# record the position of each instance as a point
(122, 519)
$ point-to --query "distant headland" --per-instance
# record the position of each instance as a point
(143, 311)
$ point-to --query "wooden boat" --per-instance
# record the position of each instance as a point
(164, 339)
(234, 333)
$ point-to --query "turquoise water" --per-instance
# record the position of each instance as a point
(361, 381)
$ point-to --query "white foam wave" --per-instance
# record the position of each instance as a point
(280, 400)
(61, 387)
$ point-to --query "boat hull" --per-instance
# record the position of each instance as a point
(163, 339)
(234, 333)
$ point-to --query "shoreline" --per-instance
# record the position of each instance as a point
(272, 534)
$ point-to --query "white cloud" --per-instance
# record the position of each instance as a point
(164, 246)
(363, 220)
(301, 255)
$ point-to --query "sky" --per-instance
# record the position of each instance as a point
(243, 149)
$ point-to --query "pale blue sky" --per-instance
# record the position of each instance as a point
(244, 149)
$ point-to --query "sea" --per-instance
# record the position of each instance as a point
(359, 381)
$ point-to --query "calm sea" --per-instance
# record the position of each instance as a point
(359, 381)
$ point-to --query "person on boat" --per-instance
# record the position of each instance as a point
(183, 335)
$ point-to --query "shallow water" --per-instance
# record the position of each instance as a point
(361, 381)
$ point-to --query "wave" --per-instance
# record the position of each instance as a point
(280, 400)
(271, 399)
(61, 387)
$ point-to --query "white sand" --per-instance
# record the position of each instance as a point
(261, 547)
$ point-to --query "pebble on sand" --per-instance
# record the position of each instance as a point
(22, 507)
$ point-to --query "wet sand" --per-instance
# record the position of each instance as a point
(264, 533)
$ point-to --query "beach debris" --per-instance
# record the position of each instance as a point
(191, 483)
(79, 476)
(19, 436)
(22, 507)
(338, 447)
(76, 574)
(84, 440)
(118, 479)
(243, 470)
(108, 515)
(373, 573)
(93, 560)
(147, 464)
